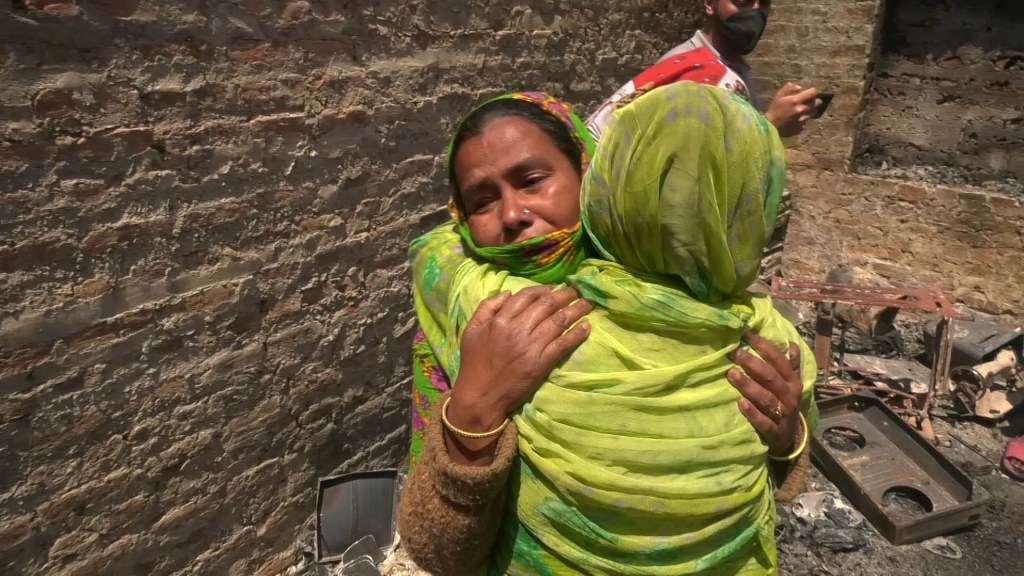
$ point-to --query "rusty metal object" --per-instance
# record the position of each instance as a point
(823, 340)
(892, 475)
(928, 299)
(350, 507)
(927, 432)
(871, 321)
(905, 375)
(968, 387)
(941, 361)
(844, 388)
(900, 402)
(988, 390)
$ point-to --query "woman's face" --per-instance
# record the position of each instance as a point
(515, 183)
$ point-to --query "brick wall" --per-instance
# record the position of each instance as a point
(205, 211)
(826, 45)
(945, 104)
(968, 240)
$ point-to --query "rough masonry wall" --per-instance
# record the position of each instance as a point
(824, 44)
(967, 240)
(204, 300)
(946, 102)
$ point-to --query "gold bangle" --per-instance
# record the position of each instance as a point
(799, 449)
(463, 433)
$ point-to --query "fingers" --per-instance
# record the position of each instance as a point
(761, 375)
(561, 320)
(801, 110)
(807, 95)
(789, 89)
(763, 424)
(545, 306)
(520, 301)
(488, 309)
(794, 359)
(771, 370)
(759, 396)
(562, 346)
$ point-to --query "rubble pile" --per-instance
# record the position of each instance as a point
(952, 375)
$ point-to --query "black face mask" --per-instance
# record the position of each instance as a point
(743, 30)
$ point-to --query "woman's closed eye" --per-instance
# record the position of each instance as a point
(534, 179)
(480, 196)
(482, 203)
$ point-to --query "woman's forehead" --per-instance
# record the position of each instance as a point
(503, 143)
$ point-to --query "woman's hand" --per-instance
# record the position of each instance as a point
(509, 346)
(771, 390)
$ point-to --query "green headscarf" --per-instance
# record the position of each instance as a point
(634, 458)
(696, 202)
(689, 208)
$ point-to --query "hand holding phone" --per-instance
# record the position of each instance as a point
(826, 99)
(793, 106)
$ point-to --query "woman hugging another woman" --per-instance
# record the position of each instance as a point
(618, 393)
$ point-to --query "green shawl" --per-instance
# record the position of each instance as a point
(634, 457)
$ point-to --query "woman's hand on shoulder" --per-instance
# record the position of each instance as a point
(771, 387)
(510, 345)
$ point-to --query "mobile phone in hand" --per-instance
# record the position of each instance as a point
(826, 99)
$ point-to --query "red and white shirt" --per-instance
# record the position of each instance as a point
(694, 61)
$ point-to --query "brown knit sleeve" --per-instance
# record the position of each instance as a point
(449, 514)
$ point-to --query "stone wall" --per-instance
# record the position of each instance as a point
(945, 104)
(205, 211)
(826, 45)
(968, 240)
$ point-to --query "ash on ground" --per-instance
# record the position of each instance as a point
(949, 176)
(391, 562)
(835, 542)
(842, 544)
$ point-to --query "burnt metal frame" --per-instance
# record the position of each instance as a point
(926, 299)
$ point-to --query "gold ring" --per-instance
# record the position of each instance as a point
(777, 412)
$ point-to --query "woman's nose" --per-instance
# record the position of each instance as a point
(514, 216)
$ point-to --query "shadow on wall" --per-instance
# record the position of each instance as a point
(205, 300)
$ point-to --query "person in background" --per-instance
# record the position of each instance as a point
(715, 56)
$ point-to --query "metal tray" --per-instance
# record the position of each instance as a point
(352, 506)
(899, 482)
